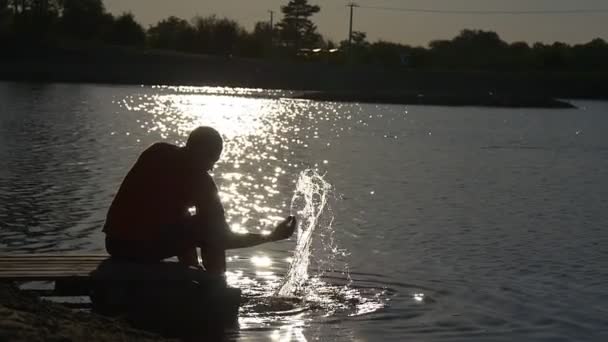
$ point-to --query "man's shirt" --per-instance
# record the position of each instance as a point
(157, 193)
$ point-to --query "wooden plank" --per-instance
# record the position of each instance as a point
(50, 259)
(52, 273)
(36, 267)
(14, 266)
(59, 255)
(72, 261)
(45, 273)
(43, 277)
(42, 265)
(50, 262)
(48, 267)
(49, 274)
(4, 259)
(74, 257)
(53, 258)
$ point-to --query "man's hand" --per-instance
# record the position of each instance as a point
(284, 230)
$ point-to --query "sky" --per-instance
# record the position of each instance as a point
(398, 26)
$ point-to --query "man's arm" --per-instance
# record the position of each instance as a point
(218, 233)
(283, 231)
(236, 240)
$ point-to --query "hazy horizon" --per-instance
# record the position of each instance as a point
(404, 27)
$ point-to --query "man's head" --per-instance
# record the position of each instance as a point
(204, 146)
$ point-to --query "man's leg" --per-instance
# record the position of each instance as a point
(189, 257)
(139, 251)
(214, 260)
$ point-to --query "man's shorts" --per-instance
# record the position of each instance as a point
(175, 240)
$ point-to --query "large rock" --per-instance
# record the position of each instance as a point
(165, 297)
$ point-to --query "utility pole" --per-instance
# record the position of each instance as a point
(271, 20)
(271, 28)
(352, 6)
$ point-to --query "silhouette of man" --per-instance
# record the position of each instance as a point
(151, 218)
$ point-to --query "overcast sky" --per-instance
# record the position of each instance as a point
(404, 27)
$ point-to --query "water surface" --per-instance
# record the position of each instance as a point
(442, 223)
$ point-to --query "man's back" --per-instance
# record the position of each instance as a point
(156, 193)
(149, 220)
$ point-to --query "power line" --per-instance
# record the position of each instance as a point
(488, 12)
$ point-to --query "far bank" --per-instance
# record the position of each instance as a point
(320, 81)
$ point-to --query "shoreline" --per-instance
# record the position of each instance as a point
(320, 81)
(25, 317)
(439, 99)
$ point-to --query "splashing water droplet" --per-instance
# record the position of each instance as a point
(311, 196)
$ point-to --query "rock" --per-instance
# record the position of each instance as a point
(167, 297)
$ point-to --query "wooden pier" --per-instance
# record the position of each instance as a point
(30, 267)
(71, 274)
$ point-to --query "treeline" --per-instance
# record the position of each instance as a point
(483, 50)
(43, 21)
(294, 37)
(87, 21)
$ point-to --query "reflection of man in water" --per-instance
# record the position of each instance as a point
(149, 219)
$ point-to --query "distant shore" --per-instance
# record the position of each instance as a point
(487, 99)
(323, 82)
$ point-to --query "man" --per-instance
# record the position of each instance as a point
(151, 218)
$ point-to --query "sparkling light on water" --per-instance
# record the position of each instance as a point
(266, 148)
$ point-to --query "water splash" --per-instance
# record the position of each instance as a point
(311, 196)
(327, 292)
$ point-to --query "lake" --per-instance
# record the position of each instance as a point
(441, 223)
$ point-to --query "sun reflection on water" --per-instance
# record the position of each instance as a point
(266, 143)
(256, 145)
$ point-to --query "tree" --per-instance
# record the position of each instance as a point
(391, 54)
(359, 39)
(258, 43)
(18, 6)
(358, 51)
(470, 49)
(126, 31)
(216, 36)
(296, 29)
(5, 11)
(172, 33)
(43, 7)
(478, 39)
(592, 55)
(6, 18)
(84, 19)
(264, 33)
(28, 20)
